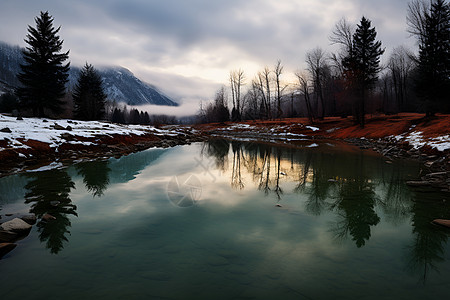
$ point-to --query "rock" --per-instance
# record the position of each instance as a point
(16, 225)
(44, 121)
(278, 205)
(30, 219)
(19, 118)
(436, 174)
(48, 217)
(5, 248)
(7, 236)
(5, 130)
(69, 128)
(58, 127)
(66, 136)
(442, 222)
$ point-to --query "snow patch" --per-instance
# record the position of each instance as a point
(312, 128)
(43, 130)
(52, 166)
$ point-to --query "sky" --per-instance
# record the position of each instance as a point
(187, 48)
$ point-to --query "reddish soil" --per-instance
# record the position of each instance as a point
(377, 126)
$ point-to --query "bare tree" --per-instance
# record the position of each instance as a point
(304, 89)
(316, 61)
(416, 17)
(278, 71)
(263, 81)
(400, 65)
(237, 80)
(341, 35)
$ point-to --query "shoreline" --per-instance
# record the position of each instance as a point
(393, 142)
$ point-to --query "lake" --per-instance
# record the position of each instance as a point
(229, 220)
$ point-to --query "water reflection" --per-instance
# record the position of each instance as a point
(48, 193)
(340, 194)
(427, 249)
(354, 187)
(95, 176)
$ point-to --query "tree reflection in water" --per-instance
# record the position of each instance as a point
(350, 185)
(48, 192)
(95, 176)
(427, 249)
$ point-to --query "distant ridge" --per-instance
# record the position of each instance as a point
(120, 84)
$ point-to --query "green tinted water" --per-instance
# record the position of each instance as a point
(228, 221)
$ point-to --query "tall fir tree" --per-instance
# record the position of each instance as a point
(433, 80)
(43, 76)
(362, 65)
(88, 96)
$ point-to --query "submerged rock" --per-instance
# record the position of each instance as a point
(7, 236)
(16, 225)
(30, 219)
(5, 248)
(48, 217)
(442, 222)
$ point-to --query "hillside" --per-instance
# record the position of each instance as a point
(120, 84)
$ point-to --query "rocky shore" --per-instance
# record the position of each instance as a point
(436, 164)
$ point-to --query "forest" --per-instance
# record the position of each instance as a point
(351, 82)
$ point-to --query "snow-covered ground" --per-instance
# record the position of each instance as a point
(55, 132)
(417, 140)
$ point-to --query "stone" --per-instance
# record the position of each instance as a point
(48, 217)
(5, 130)
(7, 236)
(69, 128)
(442, 222)
(16, 225)
(58, 127)
(19, 118)
(5, 248)
(30, 219)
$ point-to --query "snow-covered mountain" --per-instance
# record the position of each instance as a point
(119, 83)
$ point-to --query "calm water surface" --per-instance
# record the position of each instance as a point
(225, 220)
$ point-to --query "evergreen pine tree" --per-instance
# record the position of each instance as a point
(88, 96)
(362, 65)
(43, 76)
(433, 81)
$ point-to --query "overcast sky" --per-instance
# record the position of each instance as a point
(188, 47)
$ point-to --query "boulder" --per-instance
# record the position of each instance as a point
(5, 248)
(5, 130)
(58, 127)
(48, 217)
(442, 222)
(7, 236)
(16, 225)
(30, 219)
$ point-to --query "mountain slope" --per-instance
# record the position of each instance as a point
(119, 83)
